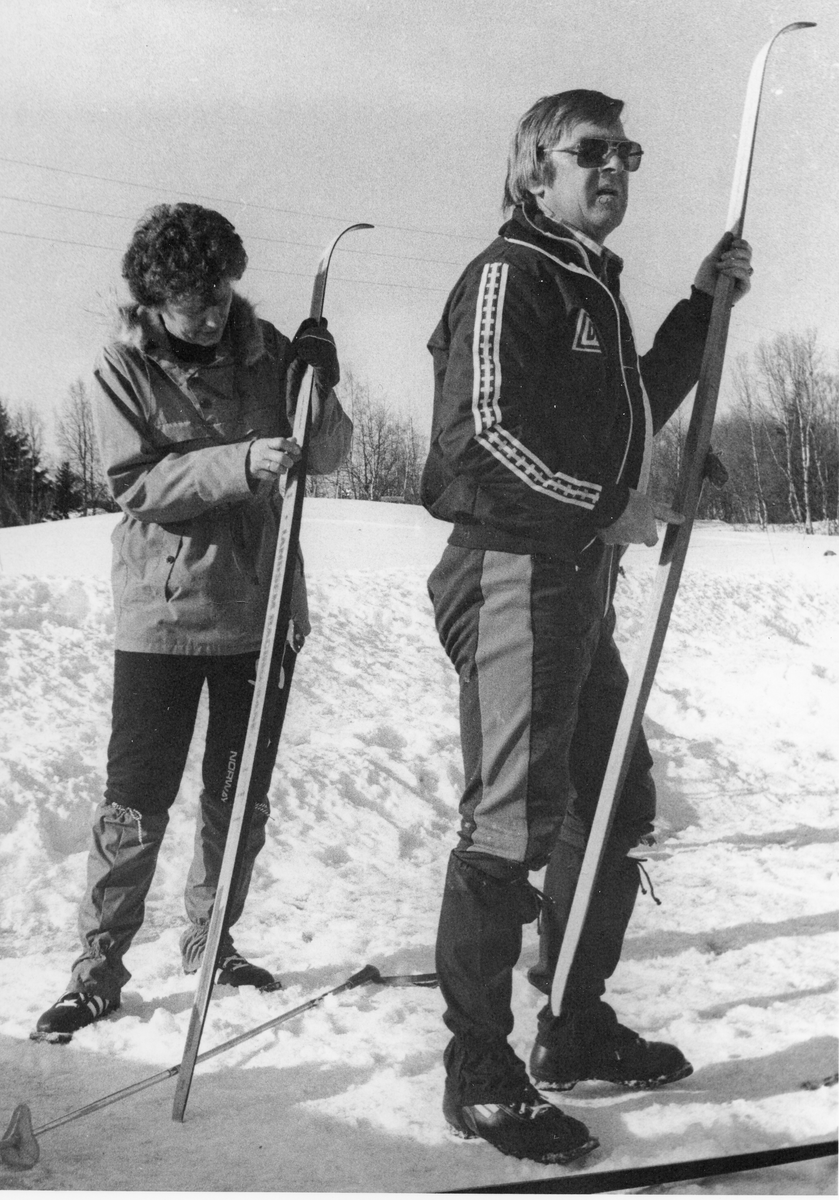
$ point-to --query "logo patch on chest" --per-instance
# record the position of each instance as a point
(585, 335)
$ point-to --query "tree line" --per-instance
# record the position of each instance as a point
(778, 440)
(33, 487)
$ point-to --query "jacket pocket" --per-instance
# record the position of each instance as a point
(145, 554)
(172, 558)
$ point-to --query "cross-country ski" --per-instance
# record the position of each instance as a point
(676, 540)
(272, 685)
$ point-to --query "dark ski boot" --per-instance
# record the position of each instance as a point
(590, 1043)
(527, 1127)
(73, 1011)
(236, 971)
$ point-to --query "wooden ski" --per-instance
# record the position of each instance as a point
(676, 539)
(274, 671)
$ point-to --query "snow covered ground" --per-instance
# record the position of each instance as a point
(737, 965)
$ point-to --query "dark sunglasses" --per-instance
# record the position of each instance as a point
(596, 152)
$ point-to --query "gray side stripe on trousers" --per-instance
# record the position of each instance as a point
(504, 662)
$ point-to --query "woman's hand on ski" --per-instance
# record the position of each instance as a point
(270, 457)
(732, 257)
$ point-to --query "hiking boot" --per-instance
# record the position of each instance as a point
(589, 1043)
(528, 1127)
(73, 1011)
(236, 971)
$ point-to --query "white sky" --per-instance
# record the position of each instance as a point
(296, 118)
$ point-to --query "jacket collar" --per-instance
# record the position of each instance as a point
(143, 329)
(529, 224)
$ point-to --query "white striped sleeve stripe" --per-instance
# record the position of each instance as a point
(486, 346)
(532, 471)
(486, 408)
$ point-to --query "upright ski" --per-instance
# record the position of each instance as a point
(274, 671)
(676, 539)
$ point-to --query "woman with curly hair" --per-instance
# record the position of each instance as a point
(194, 405)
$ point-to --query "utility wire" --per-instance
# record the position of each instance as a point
(37, 237)
(283, 241)
(631, 278)
(227, 200)
(290, 242)
(251, 237)
(341, 278)
(261, 270)
(411, 287)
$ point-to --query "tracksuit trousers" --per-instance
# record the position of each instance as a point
(155, 704)
(541, 687)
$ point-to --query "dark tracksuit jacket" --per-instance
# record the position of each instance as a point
(543, 419)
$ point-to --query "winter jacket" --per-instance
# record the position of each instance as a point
(194, 550)
(543, 412)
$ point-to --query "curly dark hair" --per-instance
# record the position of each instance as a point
(181, 250)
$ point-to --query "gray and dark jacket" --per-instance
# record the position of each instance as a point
(194, 550)
(543, 411)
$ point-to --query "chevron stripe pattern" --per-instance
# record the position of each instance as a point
(486, 402)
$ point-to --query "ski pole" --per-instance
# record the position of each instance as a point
(675, 543)
(19, 1147)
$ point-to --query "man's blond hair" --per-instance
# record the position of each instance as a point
(541, 127)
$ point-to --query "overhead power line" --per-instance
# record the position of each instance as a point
(342, 278)
(37, 237)
(733, 335)
(22, 162)
(632, 278)
(251, 237)
(261, 270)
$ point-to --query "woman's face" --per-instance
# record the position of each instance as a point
(192, 319)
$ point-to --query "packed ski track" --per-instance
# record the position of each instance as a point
(737, 965)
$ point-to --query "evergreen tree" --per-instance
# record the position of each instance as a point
(25, 486)
(67, 497)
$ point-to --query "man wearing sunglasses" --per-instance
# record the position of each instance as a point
(540, 453)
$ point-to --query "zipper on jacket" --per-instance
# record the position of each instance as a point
(590, 275)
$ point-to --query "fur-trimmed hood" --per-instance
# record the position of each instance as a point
(142, 328)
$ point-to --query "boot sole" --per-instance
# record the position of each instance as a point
(636, 1085)
(269, 984)
(556, 1158)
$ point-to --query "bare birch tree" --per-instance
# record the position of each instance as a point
(788, 370)
(77, 440)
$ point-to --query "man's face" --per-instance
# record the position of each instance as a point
(192, 319)
(593, 199)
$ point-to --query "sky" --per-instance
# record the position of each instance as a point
(298, 118)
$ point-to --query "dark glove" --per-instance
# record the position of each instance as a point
(714, 470)
(315, 345)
